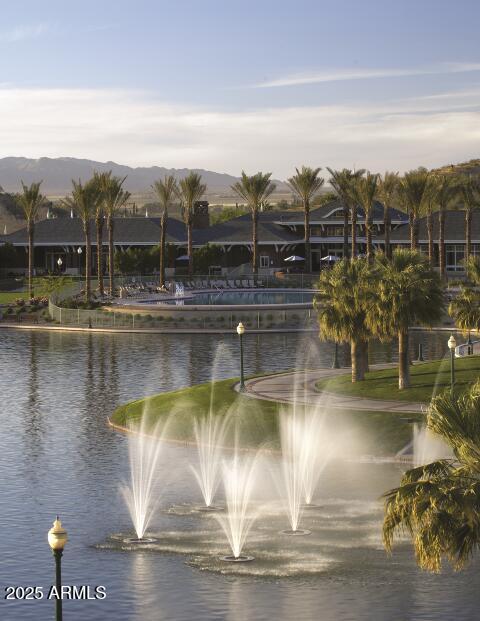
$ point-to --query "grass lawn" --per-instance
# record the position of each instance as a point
(375, 433)
(427, 379)
(8, 297)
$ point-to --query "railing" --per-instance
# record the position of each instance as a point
(467, 349)
(263, 320)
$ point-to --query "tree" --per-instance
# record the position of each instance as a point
(438, 504)
(443, 190)
(413, 194)
(114, 197)
(306, 184)
(254, 190)
(166, 190)
(386, 189)
(407, 291)
(99, 179)
(84, 200)
(364, 191)
(468, 190)
(465, 307)
(190, 190)
(341, 309)
(343, 182)
(30, 200)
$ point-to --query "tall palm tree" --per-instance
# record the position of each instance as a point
(364, 192)
(343, 182)
(190, 190)
(341, 309)
(407, 291)
(114, 197)
(305, 184)
(99, 179)
(166, 189)
(254, 190)
(438, 504)
(465, 309)
(84, 200)
(413, 194)
(387, 189)
(444, 190)
(30, 200)
(468, 190)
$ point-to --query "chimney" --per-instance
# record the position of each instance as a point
(201, 217)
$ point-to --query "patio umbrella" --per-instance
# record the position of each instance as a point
(330, 257)
(184, 257)
(293, 258)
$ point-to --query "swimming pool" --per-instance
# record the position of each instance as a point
(241, 298)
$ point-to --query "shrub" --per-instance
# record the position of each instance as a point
(19, 302)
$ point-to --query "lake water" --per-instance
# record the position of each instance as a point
(226, 298)
(57, 455)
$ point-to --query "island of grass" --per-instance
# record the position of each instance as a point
(257, 421)
(427, 379)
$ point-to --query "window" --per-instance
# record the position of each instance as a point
(455, 253)
(264, 260)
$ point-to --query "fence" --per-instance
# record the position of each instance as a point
(219, 320)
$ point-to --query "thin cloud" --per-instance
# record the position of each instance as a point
(134, 128)
(339, 75)
(24, 32)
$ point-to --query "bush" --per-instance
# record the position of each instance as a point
(9, 311)
(19, 302)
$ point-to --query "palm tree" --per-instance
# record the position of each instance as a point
(407, 291)
(99, 179)
(468, 189)
(84, 200)
(341, 309)
(465, 307)
(30, 201)
(343, 182)
(387, 189)
(364, 192)
(305, 184)
(438, 504)
(190, 190)
(166, 190)
(444, 191)
(114, 197)
(254, 190)
(413, 193)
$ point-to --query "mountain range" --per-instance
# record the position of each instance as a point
(57, 174)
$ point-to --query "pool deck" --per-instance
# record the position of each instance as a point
(299, 387)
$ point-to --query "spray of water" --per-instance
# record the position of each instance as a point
(316, 450)
(427, 446)
(210, 438)
(144, 447)
(292, 466)
(238, 476)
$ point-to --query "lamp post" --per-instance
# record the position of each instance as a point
(57, 538)
(452, 343)
(240, 332)
(59, 263)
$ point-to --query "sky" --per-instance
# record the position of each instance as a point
(242, 85)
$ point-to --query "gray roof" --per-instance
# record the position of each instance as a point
(454, 228)
(239, 230)
(325, 212)
(64, 231)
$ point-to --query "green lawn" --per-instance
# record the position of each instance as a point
(427, 379)
(8, 297)
(375, 433)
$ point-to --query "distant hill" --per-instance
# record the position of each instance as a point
(471, 167)
(57, 174)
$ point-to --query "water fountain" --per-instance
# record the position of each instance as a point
(427, 446)
(238, 477)
(316, 451)
(210, 435)
(291, 436)
(144, 447)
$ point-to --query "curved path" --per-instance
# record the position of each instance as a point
(299, 386)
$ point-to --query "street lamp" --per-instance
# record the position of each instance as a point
(452, 343)
(79, 250)
(57, 538)
(240, 332)
(59, 262)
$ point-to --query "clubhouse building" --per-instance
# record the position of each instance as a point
(280, 235)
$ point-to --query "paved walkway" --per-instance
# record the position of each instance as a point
(300, 386)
